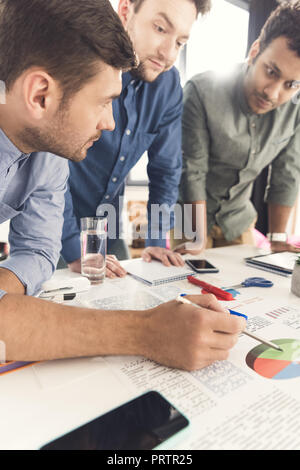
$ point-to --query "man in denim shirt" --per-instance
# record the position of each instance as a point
(61, 62)
(148, 118)
(235, 126)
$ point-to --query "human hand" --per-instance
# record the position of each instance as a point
(167, 257)
(188, 337)
(114, 268)
(278, 247)
(75, 266)
(190, 248)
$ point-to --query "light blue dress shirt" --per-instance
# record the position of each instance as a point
(32, 191)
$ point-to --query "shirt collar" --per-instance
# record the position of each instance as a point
(9, 153)
(129, 79)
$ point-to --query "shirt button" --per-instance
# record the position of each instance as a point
(122, 159)
(114, 180)
(107, 197)
(128, 132)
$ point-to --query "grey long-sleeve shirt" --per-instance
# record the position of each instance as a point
(226, 146)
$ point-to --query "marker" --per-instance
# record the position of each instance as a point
(61, 297)
(222, 294)
(182, 298)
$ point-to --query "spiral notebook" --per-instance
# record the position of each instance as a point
(155, 273)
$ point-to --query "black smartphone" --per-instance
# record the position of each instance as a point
(201, 266)
(141, 424)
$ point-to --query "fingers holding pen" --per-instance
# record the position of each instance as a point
(193, 336)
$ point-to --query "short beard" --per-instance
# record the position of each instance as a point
(139, 72)
(52, 139)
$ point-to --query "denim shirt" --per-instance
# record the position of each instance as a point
(32, 197)
(148, 118)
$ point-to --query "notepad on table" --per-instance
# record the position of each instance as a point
(155, 273)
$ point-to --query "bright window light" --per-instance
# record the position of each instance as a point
(219, 40)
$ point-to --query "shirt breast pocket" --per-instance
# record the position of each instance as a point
(143, 142)
(7, 212)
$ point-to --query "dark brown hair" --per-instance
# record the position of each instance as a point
(284, 21)
(67, 38)
(202, 6)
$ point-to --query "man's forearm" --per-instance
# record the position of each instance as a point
(173, 334)
(278, 220)
(34, 329)
(278, 217)
(10, 282)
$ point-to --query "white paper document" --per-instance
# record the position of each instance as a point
(250, 401)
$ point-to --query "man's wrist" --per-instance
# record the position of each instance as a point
(277, 237)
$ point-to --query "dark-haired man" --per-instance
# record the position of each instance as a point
(54, 104)
(148, 118)
(234, 127)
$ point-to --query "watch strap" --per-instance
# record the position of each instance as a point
(277, 237)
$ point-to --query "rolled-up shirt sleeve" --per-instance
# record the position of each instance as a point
(35, 233)
(195, 146)
(285, 174)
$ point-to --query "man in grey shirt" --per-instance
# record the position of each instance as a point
(234, 127)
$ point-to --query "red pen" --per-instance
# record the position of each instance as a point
(222, 294)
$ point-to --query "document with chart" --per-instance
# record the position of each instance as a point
(257, 385)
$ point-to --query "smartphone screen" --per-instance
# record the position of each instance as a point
(201, 265)
(141, 424)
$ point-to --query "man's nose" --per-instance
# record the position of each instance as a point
(272, 91)
(107, 121)
(168, 51)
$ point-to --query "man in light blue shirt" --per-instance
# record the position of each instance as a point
(32, 197)
(62, 70)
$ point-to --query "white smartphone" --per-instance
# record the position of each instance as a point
(201, 266)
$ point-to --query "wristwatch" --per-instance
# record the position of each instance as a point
(277, 237)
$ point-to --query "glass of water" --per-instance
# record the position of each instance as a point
(93, 248)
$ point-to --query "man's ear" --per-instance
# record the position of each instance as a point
(254, 51)
(40, 93)
(125, 10)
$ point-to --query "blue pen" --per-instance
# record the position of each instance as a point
(181, 298)
(237, 314)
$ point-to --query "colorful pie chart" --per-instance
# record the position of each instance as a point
(273, 364)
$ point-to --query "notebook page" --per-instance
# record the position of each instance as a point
(155, 272)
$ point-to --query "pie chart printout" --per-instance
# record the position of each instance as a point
(273, 364)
